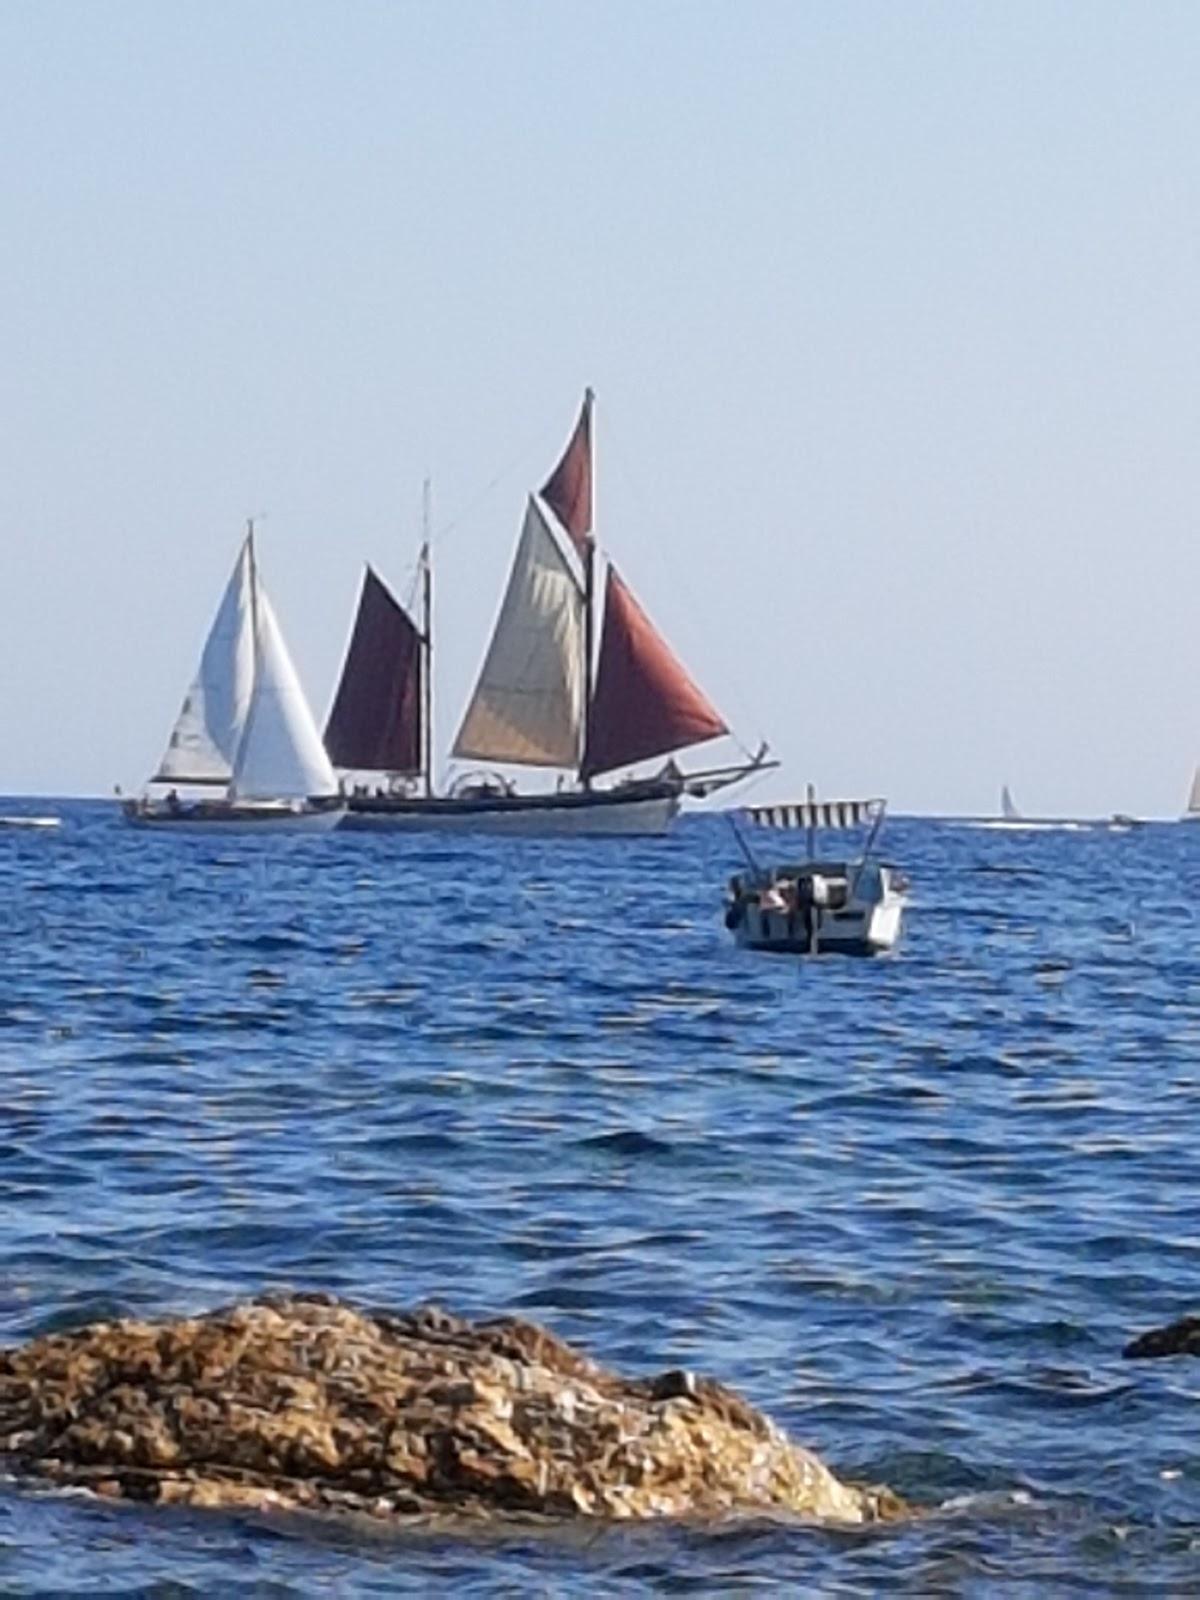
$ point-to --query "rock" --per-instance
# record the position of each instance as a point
(1180, 1338)
(302, 1402)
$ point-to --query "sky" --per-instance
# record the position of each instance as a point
(891, 307)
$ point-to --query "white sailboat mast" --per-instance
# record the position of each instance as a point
(255, 649)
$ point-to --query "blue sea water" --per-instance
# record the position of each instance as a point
(912, 1207)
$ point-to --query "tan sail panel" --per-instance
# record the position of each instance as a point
(528, 703)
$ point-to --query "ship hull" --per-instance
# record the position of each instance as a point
(576, 815)
(255, 821)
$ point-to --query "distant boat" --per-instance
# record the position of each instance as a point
(1192, 814)
(537, 703)
(245, 730)
(1012, 818)
(819, 905)
(30, 822)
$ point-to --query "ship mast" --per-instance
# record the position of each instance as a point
(426, 565)
(253, 586)
(589, 589)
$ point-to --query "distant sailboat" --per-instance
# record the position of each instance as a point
(1008, 807)
(538, 702)
(244, 729)
(1192, 814)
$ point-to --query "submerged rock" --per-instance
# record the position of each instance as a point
(304, 1403)
(1180, 1338)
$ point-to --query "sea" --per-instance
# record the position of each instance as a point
(912, 1207)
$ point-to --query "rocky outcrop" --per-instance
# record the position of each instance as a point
(1180, 1338)
(305, 1403)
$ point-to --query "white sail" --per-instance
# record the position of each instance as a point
(528, 704)
(1008, 807)
(207, 732)
(281, 756)
(1193, 804)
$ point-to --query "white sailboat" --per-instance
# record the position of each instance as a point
(245, 729)
(1192, 814)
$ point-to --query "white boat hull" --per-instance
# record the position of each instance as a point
(30, 822)
(767, 911)
(540, 818)
(269, 821)
(856, 930)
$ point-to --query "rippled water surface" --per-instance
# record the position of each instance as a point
(912, 1207)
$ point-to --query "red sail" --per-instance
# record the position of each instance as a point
(568, 489)
(645, 704)
(375, 724)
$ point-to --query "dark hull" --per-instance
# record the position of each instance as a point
(641, 808)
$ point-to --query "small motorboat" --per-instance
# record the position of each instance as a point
(817, 905)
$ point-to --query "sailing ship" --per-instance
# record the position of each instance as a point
(244, 730)
(818, 905)
(1192, 814)
(545, 698)
(1008, 806)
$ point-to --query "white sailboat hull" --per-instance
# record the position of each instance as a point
(567, 816)
(253, 821)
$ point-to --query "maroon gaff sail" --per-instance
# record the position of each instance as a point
(568, 489)
(645, 704)
(375, 723)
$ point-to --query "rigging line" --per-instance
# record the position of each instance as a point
(652, 554)
(451, 524)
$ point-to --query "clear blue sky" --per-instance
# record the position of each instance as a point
(891, 310)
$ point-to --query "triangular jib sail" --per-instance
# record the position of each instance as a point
(527, 705)
(645, 703)
(375, 724)
(208, 730)
(568, 489)
(281, 756)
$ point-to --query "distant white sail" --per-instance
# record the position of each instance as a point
(1193, 804)
(281, 756)
(528, 704)
(1008, 808)
(205, 738)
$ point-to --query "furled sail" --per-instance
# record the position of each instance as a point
(645, 704)
(375, 723)
(207, 731)
(281, 756)
(568, 489)
(527, 705)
